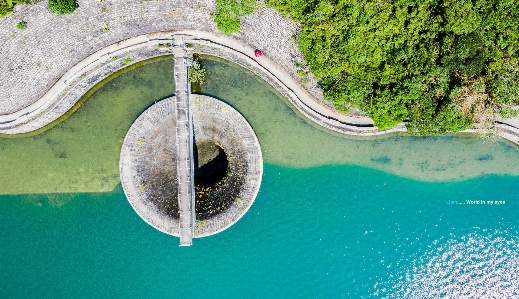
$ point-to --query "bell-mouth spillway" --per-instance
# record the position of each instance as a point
(228, 166)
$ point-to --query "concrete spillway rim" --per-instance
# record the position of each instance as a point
(132, 194)
(255, 152)
(216, 223)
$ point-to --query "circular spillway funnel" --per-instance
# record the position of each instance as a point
(228, 171)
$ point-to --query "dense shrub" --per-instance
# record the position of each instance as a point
(228, 13)
(62, 7)
(435, 63)
(21, 25)
(7, 6)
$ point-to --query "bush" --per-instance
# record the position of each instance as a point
(228, 13)
(7, 6)
(21, 25)
(62, 7)
(435, 63)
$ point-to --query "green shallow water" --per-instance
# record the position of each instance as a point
(336, 217)
(81, 154)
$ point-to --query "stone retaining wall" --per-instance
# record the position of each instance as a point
(98, 66)
(79, 80)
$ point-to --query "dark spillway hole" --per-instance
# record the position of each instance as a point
(211, 163)
(217, 181)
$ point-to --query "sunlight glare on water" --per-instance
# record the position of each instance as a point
(483, 264)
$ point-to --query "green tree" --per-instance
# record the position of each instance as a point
(434, 63)
(62, 7)
(7, 6)
(228, 12)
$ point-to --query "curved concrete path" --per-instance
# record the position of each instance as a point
(35, 59)
(31, 80)
(75, 82)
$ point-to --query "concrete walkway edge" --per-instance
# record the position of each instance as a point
(25, 120)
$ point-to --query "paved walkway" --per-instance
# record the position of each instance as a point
(51, 45)
(184, 143)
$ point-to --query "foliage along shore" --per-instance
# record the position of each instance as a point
(59, 7)
(440, 65)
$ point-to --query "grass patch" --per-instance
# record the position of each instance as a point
(21, 25)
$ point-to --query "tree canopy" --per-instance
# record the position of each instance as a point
(436, 63)
(62, 7)
(228, 12)
(7, 6)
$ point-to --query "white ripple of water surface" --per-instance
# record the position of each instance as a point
(478, 265)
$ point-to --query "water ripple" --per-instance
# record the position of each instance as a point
(483, 264)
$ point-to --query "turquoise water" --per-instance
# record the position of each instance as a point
(336, 217)
(306, 236)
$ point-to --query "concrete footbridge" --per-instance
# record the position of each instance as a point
(184, 141)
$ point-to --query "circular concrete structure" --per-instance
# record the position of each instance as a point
(149, 173)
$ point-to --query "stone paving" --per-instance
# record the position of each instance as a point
(35, 58)
(52, 46)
